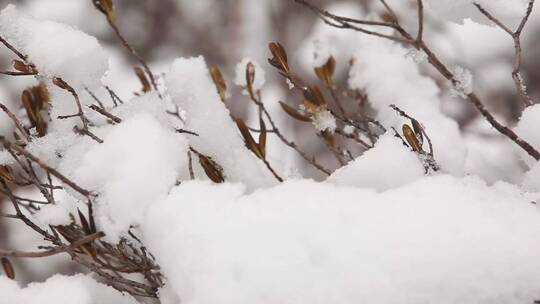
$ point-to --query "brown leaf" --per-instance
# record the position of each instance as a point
(28, 102)
(250, 78)
(262, 138)
(329, 138)
(34, 100)
(314, 95)
(219, 81)
(8, 268)
(418, 130)
(279, 59)
(6, 173)
(84, 223)
(23, 67)
(59, 82)
(248, 139)
(106, 7)
(212, 169)
(142, 78)
(410, 136)
(293, 113)
(326, 72)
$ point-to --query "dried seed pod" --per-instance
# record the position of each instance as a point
(326, 72)
(146, 87)
(212, 169)
(219, 81)
(8, 268)
(293, 113)
(410, 136)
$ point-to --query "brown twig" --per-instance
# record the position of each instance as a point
(56, 250)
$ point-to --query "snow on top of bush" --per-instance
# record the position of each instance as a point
(191, 88)
(379, 64)
(139, 161)
(240, 75)
(308, 242)
(78, 289)
(510, 12)
(387, 165)
(527, 128)
(57, 50)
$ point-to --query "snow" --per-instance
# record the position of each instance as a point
(322, 52)
(57, 50)
(531, 181)
(192, 89)
(348, 129)
(240, 75)
(308, 242)
(510, 12)
(387, 165)
(464, 83)
(527, 129)
(78, 289)
(380, 64)
(139, 161)
(324, 121)
(54, 215)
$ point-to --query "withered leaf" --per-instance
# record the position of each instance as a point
(60, 83)
(293, 113)
(34, 100)
(262, 138)
(142, 78)
(250, 78)
(219, 81)
(212, 169)
(279, 59)
(326, 72)
(314, 95)
(106, 7)
(329, 138)
(248, 139)
(6, 173)
(27, 100)
(418, 130)
(84, 223)
(23, 67)
(410, 136)
(8, 268)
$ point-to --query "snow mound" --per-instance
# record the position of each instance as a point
(57, 50)
(78, 289)
(136, 165)
(191, 88)
(437, 240)
(387, 165)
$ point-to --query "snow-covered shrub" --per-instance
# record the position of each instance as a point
(199, 188)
